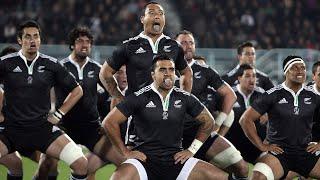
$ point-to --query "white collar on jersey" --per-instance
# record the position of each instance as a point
(192, 62)
(315, 88)
(295, 95)
(155, 45)
(245, 98)
(79, 69)
(165, 102)
(30, 68)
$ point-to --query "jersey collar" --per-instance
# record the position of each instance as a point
(155, 45)
(295, 95)
(79, 69)
(30, 68)
(192, 62)
(245, 98)
(165, 102)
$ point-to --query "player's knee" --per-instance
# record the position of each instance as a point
(241, 169)
(262, 171)
(73, 156)
(227, 157)
(229, 119)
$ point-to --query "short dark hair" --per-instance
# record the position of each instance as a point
(160, 57)
(242, 68)
(8, 50)
(315, 67)
(76, 33)
(243, 45)
(184, 32)
(146, 5)
(27, 24)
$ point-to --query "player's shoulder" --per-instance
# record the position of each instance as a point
(94, 63)
(142, 91)
(181, 91)
(49, 58)
(203, 66)
(259, 90)
(310, 88)
(9, 56)
(262, 73)
(232, 72)
(275, 89)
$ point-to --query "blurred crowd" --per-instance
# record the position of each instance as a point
(216, 24)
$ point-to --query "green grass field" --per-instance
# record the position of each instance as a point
(29, 168)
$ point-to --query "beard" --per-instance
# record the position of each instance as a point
(81, 56)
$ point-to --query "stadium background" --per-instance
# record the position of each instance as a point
(277, 28)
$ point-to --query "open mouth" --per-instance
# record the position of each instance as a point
(156, 26)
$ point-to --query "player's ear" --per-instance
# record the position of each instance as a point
(19, 41)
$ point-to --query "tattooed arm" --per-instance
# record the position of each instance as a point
(108, 81)
(206, 127)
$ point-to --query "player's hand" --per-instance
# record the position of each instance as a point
(53, 119)
(273, 148)
(135, 155)
(264, 119)
(1, 117)
(313, 147)
(182, 156)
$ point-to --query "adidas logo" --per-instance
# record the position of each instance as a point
(140, 50)
(17, 69)
(283, 101)
(150, 105)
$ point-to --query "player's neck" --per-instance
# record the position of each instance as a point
(78, 60)
(245, 91)
(154, 37)
(163, 92)
(295, 87)
(29, 56)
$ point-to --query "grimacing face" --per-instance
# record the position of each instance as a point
(164, 74)
(188, 45)
(297, 73)
(153, 19)
(121, 77)
(30, 41)
(248, 56)
(248, 80)
(82, 47)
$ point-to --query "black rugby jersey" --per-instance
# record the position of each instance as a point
(27, 88)
(85, 110)
(290, 115)
(263, 80)
(235, 133)
(204, 76)
(137, 54)
(159, 123)
(316, 118)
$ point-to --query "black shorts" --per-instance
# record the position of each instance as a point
(86, 135)
(28, 140)
(301, 161)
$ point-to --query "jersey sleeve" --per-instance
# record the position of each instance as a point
(129, 105)
(64, 78)
(194, 106)
(118, 57)
(263, 103)
(2, 68)
(180, 63)
(215, 80)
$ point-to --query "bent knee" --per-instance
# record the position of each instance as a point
(80, 165)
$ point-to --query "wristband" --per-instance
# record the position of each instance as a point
(58, 114)
(220, 118)
(195, 146)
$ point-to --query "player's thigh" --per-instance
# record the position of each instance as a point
(268, 161)
(204, 170)
(126, 171)
(219, 145)
(315, 172)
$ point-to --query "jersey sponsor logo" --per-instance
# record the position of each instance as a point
(90, 74)
(307, 100)
(177, 104)
(151, 105)
(41, 69)
(197, 75)
(283, 101)
(236, 105)
(17, 69)
(140, 50)
(166, 48)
